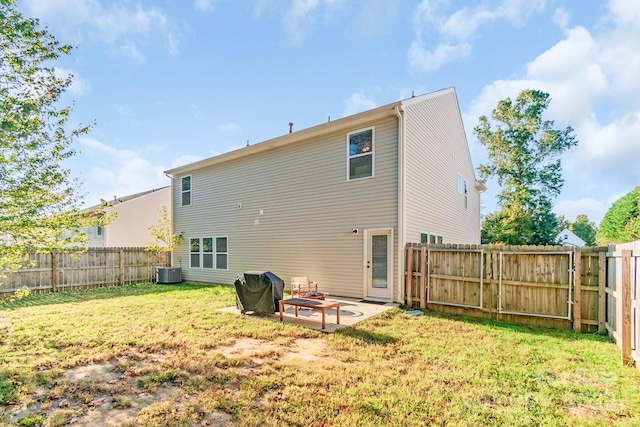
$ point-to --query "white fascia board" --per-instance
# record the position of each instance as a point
(426, 96)
(350, 122)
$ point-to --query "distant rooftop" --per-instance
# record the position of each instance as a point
(117, 200)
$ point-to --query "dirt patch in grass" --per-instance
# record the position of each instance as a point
(113, 393)
(307, 349)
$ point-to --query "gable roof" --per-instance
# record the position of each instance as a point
(344, 123)
(572, 238)
(123, 199)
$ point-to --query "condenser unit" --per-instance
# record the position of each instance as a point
(168, 275)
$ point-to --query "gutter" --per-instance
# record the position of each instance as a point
(401, 204)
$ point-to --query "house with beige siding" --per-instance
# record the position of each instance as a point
(337, 201)
(132, 216)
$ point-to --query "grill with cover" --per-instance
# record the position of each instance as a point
(259, 291)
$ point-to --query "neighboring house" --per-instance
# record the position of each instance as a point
(568, 238)
(337, 201)
(133, 216)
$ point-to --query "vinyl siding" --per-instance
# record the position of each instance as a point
(309, 211)
(436, 152)
(130, 226)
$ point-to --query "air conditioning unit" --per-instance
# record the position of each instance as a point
(167, 275)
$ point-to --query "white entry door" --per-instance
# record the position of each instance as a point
(379, 264)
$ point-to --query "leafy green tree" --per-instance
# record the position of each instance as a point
(523, 155)
(163, 239)
(621, 223)
(39, 201)
(584, 229)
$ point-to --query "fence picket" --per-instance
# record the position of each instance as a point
(92, 268)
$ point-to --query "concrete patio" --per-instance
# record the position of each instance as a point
(352, 311)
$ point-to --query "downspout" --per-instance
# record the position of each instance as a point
(171, 215)
(401, 206)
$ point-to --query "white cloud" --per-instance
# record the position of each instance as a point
(594, 209)
(592, 80)
(376, 17)
(561, 18)
(426, 60)
(452, 33)
(357, 103)
(78, 86)
(122, 27)
(229, 127)
(204, 5)
(131, 50)
(301, 17)
(119, 172)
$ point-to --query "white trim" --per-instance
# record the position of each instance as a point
(193, 253)
(426, 96)
(372, 154)
(402, 232)
(190, 190)
(429, 237)
(215, 252)
(368, 232)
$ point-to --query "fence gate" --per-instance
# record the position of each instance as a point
(538, 284)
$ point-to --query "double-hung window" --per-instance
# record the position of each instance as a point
(222, 254)
(360, 145)
(185, 186)
(194, 253)
(466, 194)
(209, 253)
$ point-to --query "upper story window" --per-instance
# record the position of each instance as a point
(185, 184)
(459, 183)
(466, 194)
(360, 150)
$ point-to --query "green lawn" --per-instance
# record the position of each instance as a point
(163, 355)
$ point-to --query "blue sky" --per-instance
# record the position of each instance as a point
(170, 82)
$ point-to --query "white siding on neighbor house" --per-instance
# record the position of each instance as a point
(130, 226)
(436, 152)
(95, 240)
(309, 210)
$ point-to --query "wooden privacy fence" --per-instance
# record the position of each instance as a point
(623, 299)
(91, 268)
(588, 289)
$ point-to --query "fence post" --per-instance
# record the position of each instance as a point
(409, 276)
(423, 277)
(626, 307)
(577, 291)
(54, 271)
(121, 267)
(602, 291)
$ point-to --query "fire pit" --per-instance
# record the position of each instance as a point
(314, 295)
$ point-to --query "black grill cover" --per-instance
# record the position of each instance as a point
(259, 291)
